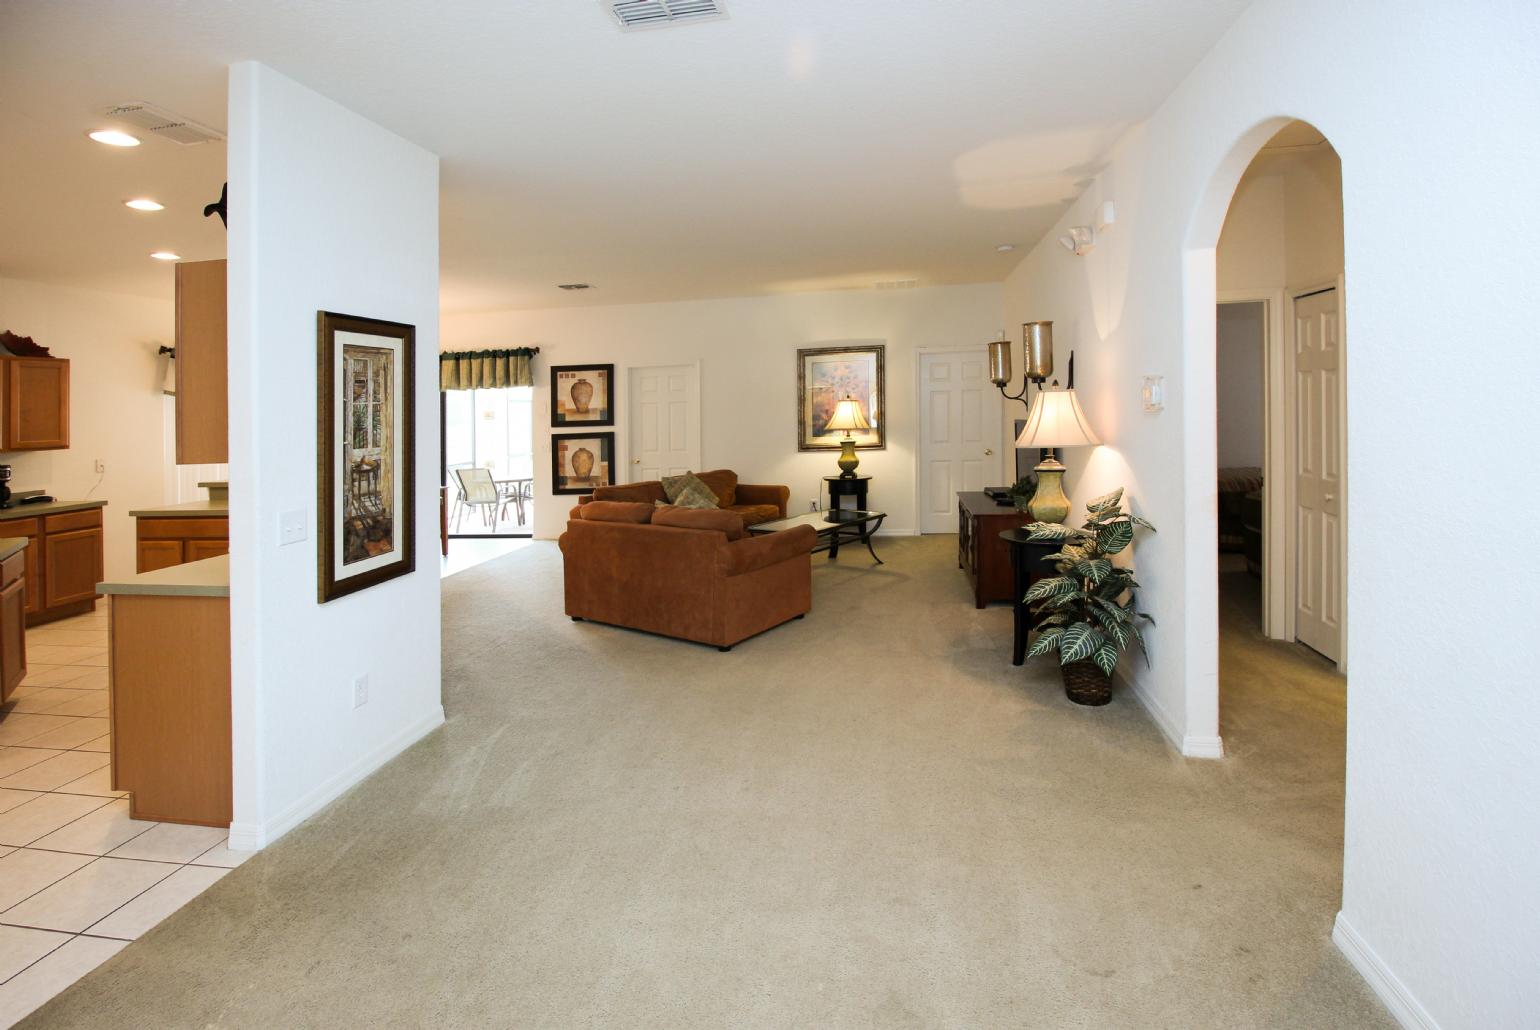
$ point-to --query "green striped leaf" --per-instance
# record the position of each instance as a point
(1079, 642)
(1054, 531)
(1046, 641)
(1105, 501)
(1053, 586)
(1106, 657)
(1114, 536)
(1095, 569)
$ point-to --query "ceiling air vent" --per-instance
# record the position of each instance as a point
(160, 122)
(653, 14)
(573, 286)
(897, 284)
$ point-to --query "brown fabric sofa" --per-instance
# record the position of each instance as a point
(711, 585)
(754, 503)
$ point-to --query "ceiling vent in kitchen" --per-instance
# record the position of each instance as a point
(655, 14)
(160, 122)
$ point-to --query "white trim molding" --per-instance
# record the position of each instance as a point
(1189, 745)
(1389, 988)
(256, 836)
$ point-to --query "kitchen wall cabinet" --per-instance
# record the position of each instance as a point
(63, 560)
(202, 434)
(35, 395)
(13, 623)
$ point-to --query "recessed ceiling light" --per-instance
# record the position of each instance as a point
(144, 204)
(165, 255)
(1006, 248)
(114, 138)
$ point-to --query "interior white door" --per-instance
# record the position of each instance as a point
(959, 433)
(1319, 475)
(665, 421)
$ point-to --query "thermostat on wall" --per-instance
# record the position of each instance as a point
(1154, 393)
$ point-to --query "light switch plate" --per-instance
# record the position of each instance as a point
(292, 527)
(1154, 393)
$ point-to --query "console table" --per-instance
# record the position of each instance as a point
(980, 551)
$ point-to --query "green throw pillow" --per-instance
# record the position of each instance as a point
(687, 491)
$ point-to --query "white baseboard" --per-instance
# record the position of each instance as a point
(1380, 979)
(256, 836)
(1190, 746)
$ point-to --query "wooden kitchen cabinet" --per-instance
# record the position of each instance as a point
(164, 542)
(13, 623)
(35, 393)
(202, 434)
(63, 561)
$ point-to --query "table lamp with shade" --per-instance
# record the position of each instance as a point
(848, 416)
(1054, 421)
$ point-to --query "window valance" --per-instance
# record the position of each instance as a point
(486, 369)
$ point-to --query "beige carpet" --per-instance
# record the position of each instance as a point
(864, 819)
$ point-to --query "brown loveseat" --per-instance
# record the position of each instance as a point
(682, 572)
(753, 503)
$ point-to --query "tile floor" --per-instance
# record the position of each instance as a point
(79, 879)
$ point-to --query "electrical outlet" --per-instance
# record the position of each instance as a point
(101, 466)
(360, 690)
(291, 527)
(812, 504)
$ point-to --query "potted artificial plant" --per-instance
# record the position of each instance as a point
(1086, 613)
(1023, 489)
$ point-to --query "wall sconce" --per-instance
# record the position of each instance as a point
(1079, 240)
(1037, 349)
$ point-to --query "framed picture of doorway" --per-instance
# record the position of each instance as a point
(365, 448)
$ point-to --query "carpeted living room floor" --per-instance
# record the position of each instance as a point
(867, 818)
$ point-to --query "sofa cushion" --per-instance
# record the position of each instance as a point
(699, 518)
(645, 493)
(723, 483)
(687, 491)
(616, 511)
(754, 514)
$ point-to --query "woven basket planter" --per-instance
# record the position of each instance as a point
(1086, 684)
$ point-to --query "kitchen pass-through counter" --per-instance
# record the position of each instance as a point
(169, 661)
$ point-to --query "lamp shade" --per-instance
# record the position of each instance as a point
(1000, 362)
(848, 415)
(1057, 421)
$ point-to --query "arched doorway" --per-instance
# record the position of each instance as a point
(1263, 273)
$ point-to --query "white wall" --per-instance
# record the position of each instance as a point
(747, 350)
(1242, 343)
(328, 212)
(1441, 907)
(116, 403)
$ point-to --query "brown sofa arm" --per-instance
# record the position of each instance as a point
(748, 493)
(759, 552)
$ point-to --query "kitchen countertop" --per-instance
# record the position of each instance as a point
(207, 578)
(207, 509)
(9, 545)
(30, 511)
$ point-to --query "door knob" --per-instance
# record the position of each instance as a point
(988, 450)
(636, 461)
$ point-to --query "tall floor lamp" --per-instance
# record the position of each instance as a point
(1054, 421)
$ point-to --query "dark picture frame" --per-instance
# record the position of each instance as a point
(824, 376)
(571, 407)
(366, 452)
(565, 463)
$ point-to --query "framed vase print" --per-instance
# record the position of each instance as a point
(366, 442)
(826, 376)
(582, 461)
(582, 395)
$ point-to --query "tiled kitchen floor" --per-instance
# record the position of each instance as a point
(78, 878)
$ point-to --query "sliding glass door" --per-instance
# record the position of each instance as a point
(488, 460)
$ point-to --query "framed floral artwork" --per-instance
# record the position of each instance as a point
(827, 375)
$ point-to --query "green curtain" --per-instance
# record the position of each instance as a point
(486, 369)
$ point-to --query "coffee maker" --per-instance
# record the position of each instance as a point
(5, 486)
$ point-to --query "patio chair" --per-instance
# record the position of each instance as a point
(478, 490)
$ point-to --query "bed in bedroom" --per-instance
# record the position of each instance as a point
(1240, 514)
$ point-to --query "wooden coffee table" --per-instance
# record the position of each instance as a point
(833, 526)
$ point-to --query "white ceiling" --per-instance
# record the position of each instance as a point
(795, 145)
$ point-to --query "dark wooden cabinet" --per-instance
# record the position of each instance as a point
(13, 623)
(35, 393)
(980, 551)
(202, 371)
